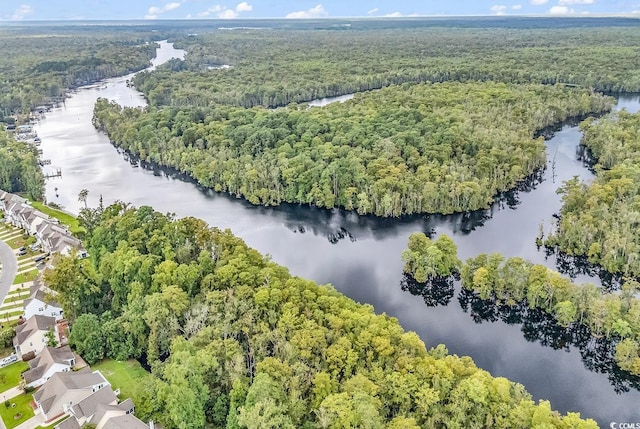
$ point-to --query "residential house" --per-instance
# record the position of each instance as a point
(102, 410)
(56, 239)
(31, 336)
(40, 303)
(49, 233)
(47, 363)
(65, 389)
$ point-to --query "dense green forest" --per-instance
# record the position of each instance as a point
(19, 169)
(434, 148)
(600, 220)
(515, 280)
(235, 341)
(274, 67)
(427, 259)
(41, 64)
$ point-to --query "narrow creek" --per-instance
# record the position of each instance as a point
(360, 255)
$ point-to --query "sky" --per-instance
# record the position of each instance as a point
(16, 10)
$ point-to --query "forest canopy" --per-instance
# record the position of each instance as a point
(39, 65)
(421, 148)
(19, 169)
(235, 341)
(275, 67)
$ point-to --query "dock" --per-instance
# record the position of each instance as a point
(57, 173)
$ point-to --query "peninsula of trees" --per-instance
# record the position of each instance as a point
(235, 341)
(599, 220)
(421, 148)
(514, 281)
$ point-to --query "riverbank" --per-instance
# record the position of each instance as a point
(360, 255)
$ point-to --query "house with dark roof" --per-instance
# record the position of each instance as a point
(31, 336)
(63, 390)
(43, 304)
(47, 363)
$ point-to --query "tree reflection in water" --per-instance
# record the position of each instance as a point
(536, 326)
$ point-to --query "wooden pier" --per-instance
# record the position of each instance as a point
(57, 173)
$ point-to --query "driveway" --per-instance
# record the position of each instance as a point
(9, 268)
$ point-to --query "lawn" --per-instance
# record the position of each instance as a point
(26, 277)
(65, 218)
(22, 407)
(14, 298)
(128, 376)
(21, 241)
(10, 376)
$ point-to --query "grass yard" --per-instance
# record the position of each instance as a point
(10, 376)
(128, 376)
(65, 218)
(21, 241)
(14, 298)
(26, 277)
(22, 407)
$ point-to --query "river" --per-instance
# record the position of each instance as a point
(359, 255)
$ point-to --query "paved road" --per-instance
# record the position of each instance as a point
(8, 274)
(9, 268)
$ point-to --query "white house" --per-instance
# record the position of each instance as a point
(65, 389)
(47, 363)
(41, 304)
(31, 336)
(102, 410)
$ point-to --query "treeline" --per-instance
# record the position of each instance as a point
(600, 220)
(39, 66)
(425, 148)
(275, 67)
(19, 169)
(514, 281)
(236, 342)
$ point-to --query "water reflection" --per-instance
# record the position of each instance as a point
(359, 255)
(536, 326)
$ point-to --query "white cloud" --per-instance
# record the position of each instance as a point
(244, 7)
(21, 12)
(569, 2)
(372, 11)
(315, 12)
(228, 14)
(538, 2)
(400, 15)
(516, 7)
(213, 9)
(224, 12)
(171, 6)
(560, 10)
(154, 11)
(499, 9)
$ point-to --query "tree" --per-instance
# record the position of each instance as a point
(50, 335)
(86, 337)
(82, 197)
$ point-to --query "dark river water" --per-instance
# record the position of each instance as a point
(360, 256)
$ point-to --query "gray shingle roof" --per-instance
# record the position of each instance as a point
(45, 360)
(42, 296)
(126, 421)
(58, 385)
(88, 406)
(35, 323)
